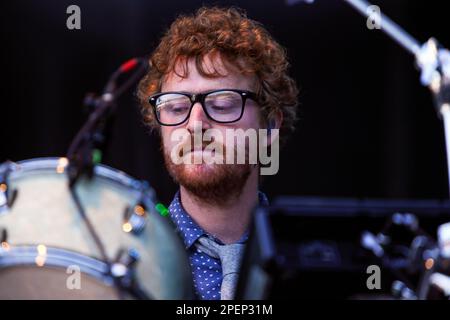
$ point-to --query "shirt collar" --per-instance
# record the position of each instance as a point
(189, 230)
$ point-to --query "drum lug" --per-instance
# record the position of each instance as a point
(7, 196)
(135, 219)
(128, 258)
(122, 268)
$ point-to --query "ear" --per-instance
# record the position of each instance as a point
(274, 122)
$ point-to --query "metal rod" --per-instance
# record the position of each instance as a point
(388, 26)
(445, 112)
(419, 52)
(412, 46)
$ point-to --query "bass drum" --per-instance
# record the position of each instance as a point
(124, 249)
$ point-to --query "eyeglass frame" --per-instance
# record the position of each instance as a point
(200, 97)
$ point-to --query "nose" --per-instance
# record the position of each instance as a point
(198, 118)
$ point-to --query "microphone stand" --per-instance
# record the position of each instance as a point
(81, 154)
(432, 60)
(434, 64)
(82, 149)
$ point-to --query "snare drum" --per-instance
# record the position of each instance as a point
(48, 251)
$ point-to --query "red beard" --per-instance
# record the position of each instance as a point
(216, 184)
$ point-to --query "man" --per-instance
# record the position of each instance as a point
(216, 70)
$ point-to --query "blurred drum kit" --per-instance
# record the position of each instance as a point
(71, 228)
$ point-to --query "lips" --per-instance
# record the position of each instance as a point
(197, 148)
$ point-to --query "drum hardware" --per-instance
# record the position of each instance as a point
(135, 219)
(125, 261)
(406, 220)
(401, 291)
(431, 58)
(397, 257)
(422, 249)
(121, 275)
(123, 271)
(425, 257)
(436, 279)
(7, 197)
(371, 242)
(41, 255)
(444, 240)
(319, 248)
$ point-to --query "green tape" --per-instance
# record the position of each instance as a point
(162, 209)
(96, 156)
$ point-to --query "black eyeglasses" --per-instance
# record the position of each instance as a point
(223, 106)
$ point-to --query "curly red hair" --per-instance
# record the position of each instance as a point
(242, 42)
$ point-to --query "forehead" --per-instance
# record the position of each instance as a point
(187, 77)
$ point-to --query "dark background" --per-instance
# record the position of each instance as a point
(368, 129)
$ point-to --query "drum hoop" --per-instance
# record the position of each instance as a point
(55, 257)
(25, 255)
(17, 169)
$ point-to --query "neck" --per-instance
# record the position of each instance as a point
(226, 222)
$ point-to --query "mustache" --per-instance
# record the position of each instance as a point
(213, 147)
(190, 144)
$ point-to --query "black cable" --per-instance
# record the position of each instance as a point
(98, 242)
(89, 225)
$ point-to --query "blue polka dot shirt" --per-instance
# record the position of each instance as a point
(206, 271)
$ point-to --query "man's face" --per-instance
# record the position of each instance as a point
(212, 182)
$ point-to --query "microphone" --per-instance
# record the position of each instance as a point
(124, 68)
(81, 151)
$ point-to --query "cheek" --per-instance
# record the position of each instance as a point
(166, 137)
(174, 137)
(250, 119)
